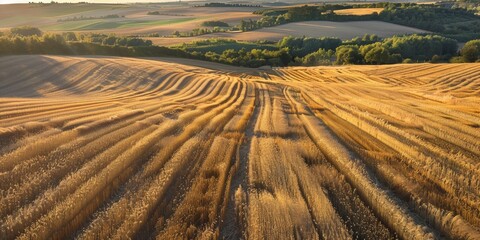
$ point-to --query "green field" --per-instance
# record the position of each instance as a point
(98, 24)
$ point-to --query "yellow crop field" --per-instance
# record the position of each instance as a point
(119, 148)
(358, 11)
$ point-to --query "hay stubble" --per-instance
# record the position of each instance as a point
(98, 147)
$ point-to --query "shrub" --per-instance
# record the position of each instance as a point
(436, 59)
(471, 51)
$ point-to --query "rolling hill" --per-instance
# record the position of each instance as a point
(105, 147)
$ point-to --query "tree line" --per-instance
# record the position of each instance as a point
(289, 51)
(29, 40)
(218, 4)
(369, 49)
(215, 24)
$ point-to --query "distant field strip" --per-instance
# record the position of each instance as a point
(358, 11)
(114, 148)
(98, 24)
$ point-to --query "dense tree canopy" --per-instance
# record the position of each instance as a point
(471, 51)
(25, 31)
(320, 57)
(421, 48)
(299, 47)
(215, 24)
(348, 54)
(377, 55)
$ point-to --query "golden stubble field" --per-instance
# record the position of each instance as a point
(358, 11)
(103, 147)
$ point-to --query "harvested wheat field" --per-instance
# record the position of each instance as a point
(98, 148)
(358, 11)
